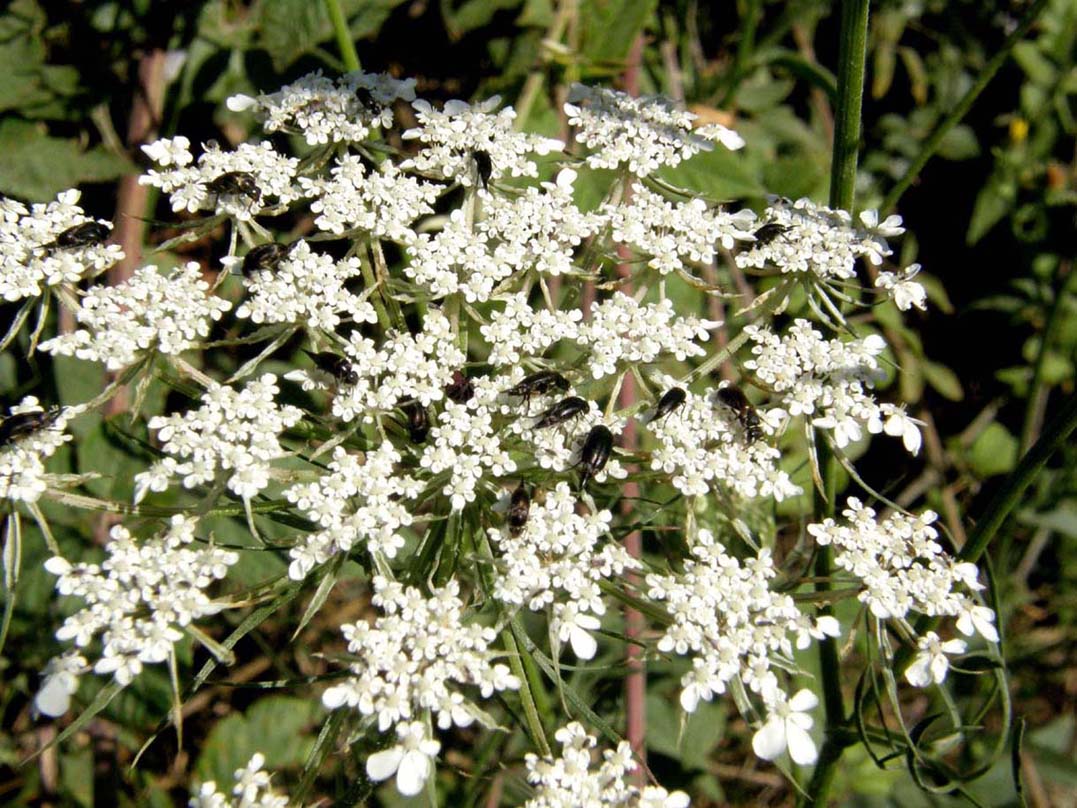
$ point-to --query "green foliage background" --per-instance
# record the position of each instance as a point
(992, 214)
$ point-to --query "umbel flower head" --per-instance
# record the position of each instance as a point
(451, 353)
(136, 602)
(34, 253)
(573, 779)
(413, 663)
(30, 435)
(168, 314)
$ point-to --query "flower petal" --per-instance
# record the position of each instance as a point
(769, 740)
(382, 765)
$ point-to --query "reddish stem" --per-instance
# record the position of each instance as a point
(131, 198)
(636, 677)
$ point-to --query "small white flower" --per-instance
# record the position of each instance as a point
(931, 664)
(787, 726)
(975, 619)
(905, 292)
(412, 760)
(61, 682)
(893, 421)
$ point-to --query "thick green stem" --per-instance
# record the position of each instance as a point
(343, 35)
(852, 56)
(960, 110)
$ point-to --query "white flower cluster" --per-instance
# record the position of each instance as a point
(541, 228)
(406, 367)
(190, 187)
(672, 233)
(570, 781)
(383, 203)
(556, 562)
(452, 135)
(28, 440)
(829, 381)
(904, 569)
(233, 431)
(412, 662)
(457, 258)
(328, 111)
(165, 313)
(727, 618)
(820, 240)
(700, 445)
(519, 330)
(623, 330)
(252, 790)
(558, 447)
(137, 600)
(356, 503)
(645, 133)
(465, 444)
(30, 258)
(306, 288)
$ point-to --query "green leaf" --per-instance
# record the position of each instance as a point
(276, 726)
(77, 381)
(959, 144)
(993, 202)
(610, 27)
(1061, 520)
(719, 174)
(1036, 66)
(943, 380)
(290, 29)
(993, 452)
(795, 176)
(460, 18)
(366, 17)
(687, 737)
(37, 167)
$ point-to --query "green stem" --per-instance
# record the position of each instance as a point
(852, 57)
(854, 42)
(514, 638)
(1054, 436)
(931, 145)
(343, 35)
(1037, 392)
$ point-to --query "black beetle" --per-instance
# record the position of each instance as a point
(670, 400)
(734, 398)
(536, 384)
(236, 183)
(264, 257)
(519, 508)
(460, 389)
(595, 452)
(81, 235)
(770, 232)
(563, 410)
(23, 424)
(418, 421)
(335, 365)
